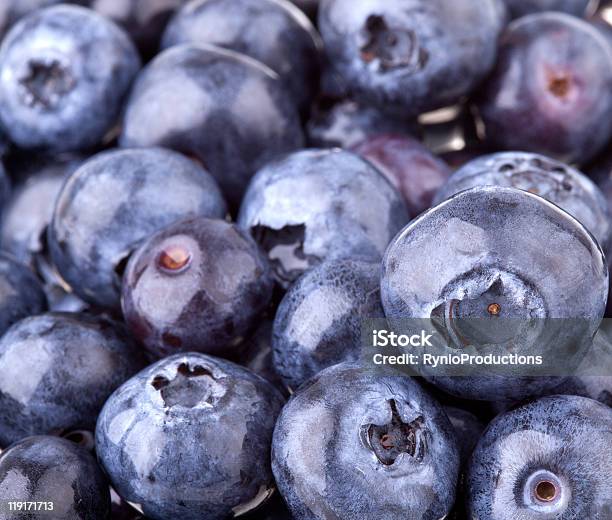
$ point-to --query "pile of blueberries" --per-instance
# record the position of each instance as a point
(202, 203)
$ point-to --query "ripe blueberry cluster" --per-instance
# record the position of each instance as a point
(204, 203)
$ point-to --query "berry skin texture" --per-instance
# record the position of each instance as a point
(291, 47)
(21, 294)
(29, 209)
(318, 322)
(497, 253)
(563, 185)
(64, 73)
(548, 459)
(211, 423)
(228, 111)
(412, 55)
(317, 205)
(143, 20)
(353, 444)
(551, 89)
(199, 285)
(58, 369)
(346, 123)
(114, 201)
(412, 169)
(518, 8)
(51, 469)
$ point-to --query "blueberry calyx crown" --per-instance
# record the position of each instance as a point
(390, 440)
(391, 47)
(46, 82)
(188, 388)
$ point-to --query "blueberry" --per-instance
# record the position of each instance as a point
(13, 10)
(64, 72)
(211, 424)
(353, 444)
(56, 371)
(53, 473)
(21, 294)
(410, 167)
(565, 186)
(112, 203)
(28, 211)
(519, 8)
(468, 429)
(346, 123)
(290, 48)
(495, 268)
(315, 205)
(198, 285)
(230, 112)
(318, 322)
(413, 55)
(143, 20)
(553, 69)
(548, 459)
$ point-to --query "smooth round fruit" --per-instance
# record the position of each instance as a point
(115, 200)
(64, 73)
(547, 459)
(61, 478)
(290, 48)
(211, 424)
(230, 112)
(353, 444)
(318, 322)
(317, 205)
(551, 89)
(493, 270)
(197, 285)
(411, 55)
(557, 182)
(56, 371)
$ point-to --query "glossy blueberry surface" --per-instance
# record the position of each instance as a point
(21, 294)
(497, 253)
(230, 112)
(552, 69)
(557, 182)
(64, 72)
(56, 371)
(518, 8)
(29, 209)
(198, 285)
(348, 428)
(318, 322)
(290, 48)
(547, 459)
(417, 55)
(54, 471)
(315, 205)
(143, 20)
(211, 424)
(409, 165)
(13, 10)
(346, 123)
(112, 203)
